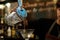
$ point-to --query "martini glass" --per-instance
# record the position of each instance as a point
(26, 33)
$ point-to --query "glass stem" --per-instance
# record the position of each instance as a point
(27, 39)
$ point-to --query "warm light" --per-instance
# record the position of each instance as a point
(8, 5)
(9, 31)
(2, 37)
(2, 0)
(32, 36)
(1, 31)
(55, 1)
(37, 0)
(2, 20)
(35, 4)
(28, 11)
(2, 6)
(29, 36)
(34, 10)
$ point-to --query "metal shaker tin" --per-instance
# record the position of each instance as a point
(13, 19)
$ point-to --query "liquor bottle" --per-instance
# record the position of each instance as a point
(9, 32)
(13, 32)
(1, 20)
(1, 33)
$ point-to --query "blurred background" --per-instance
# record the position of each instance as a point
(36, 10)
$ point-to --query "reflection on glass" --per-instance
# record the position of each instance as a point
(27, 33)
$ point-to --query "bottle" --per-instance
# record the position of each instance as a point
(1, 33)
(1, 20)
(9, 32)
(13, 32)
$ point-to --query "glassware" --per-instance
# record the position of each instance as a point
(26, 33)
(9, 32)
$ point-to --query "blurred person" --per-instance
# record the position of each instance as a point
(43, 25)
(58, 18)
(54, 30)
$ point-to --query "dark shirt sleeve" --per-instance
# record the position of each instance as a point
(54, 31)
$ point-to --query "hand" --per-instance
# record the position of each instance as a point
(25, 22)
